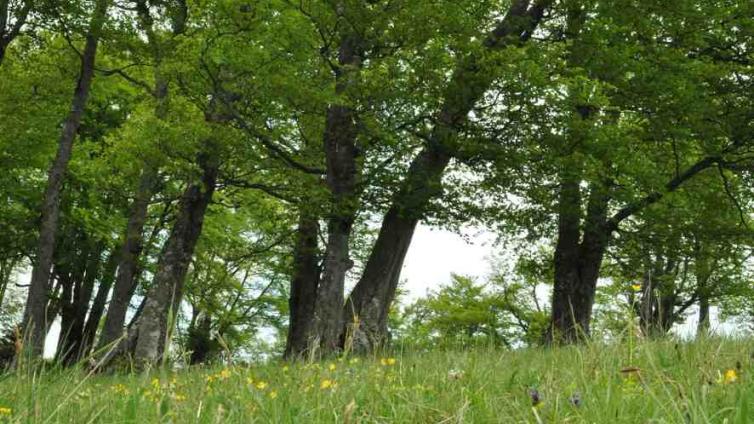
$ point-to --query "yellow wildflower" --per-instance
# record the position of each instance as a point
(332, 367)
(327, 384)
(210, 378)
(730, 376)
(120, 389)
(636, 287)
(261, 385)
(179, 397)
(5, 411)
(224, 374)
(273, 394)
(156, 383)
(388, 361)
(249, 381)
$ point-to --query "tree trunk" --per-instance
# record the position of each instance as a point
(98, 304)
(702, 273)
(128, 269)
(368, 305)
(304, 284)
(72, 335)
(703, 326)
(173, 264)
(128, 266)
(577, 264)
(35, 315)
(200, 339)
(342, 159)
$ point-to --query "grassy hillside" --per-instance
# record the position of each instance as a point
(708, 381)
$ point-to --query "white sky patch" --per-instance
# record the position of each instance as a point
(435, 254)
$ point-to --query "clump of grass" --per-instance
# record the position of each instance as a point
(663, 381)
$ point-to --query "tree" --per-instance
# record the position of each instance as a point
(35, 314)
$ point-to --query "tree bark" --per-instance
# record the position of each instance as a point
(703, 326)
(577, 263)
(128, 269)
(304, 284)
(342, 157)
(72, 329)
(174, 261)
(35, 315)
(98, 304)
(368, 305)
(128, 266)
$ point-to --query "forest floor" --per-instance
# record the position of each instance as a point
(669, 382)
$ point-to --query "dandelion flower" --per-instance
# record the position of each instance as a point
(387, 361)
(261, 385)
(327, 384)
(5, 411)
(730, 376)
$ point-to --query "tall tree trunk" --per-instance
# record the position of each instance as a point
(368, 305)
(577, 264)
(703, 273)
(342, 157)
(128, 269)
(174, 261)
(72, 335)
(703, 326)
(98, 304)
(304, 284)
(35, 315)
(128, 266)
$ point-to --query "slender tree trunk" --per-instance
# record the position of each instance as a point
(128, 266)
(174, 262)
(35, 315)
(98, 304)
(7, 266)
(702, 273)
(703, 326)
(304, 284)
(72, 335)
(342, 157)
(368, 305)
(128, 269)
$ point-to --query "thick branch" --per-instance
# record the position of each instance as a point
(655, 196)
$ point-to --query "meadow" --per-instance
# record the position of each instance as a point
(707, 381)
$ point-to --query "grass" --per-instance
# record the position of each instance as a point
(663, 382)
